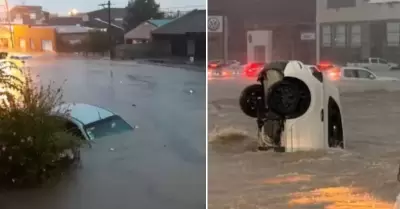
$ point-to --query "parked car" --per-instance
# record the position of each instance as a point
(218, 68)
(375, 64)
(356, 74)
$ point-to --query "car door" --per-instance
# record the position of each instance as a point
(374, 65)
(383, 64)
(365, 75)
(367, 80)
(349, 78)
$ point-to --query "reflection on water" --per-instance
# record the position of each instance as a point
(329, 197)
(339, 198)
(288, 179)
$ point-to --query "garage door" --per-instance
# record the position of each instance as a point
(47, 45)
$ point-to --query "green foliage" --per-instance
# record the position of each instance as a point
(139, 11)
(97, 41)
(33, 141)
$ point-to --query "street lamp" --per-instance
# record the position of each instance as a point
(73, 12)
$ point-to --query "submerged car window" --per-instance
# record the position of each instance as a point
(106, 127)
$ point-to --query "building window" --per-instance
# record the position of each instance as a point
(32, 44)
(355, 35)
(326, 36)
(340, 36)
(337, 4)
(393, 34)
(32, 16)
(22, 43)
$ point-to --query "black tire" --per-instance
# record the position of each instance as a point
(276, 102)
(289, 98)
(248, 99)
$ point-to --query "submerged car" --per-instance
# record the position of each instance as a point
(20, 60)
(295, 109)
(91, 122)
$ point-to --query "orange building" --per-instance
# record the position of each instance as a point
(25, 38)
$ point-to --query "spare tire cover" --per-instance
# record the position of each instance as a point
(249, 99)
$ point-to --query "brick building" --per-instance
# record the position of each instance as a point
(287, 19)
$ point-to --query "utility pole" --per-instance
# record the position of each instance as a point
(110, 44)
(10, 27)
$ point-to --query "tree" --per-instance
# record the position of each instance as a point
(139, 11)
(33, 141)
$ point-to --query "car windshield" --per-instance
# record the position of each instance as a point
(107, 126)
(383, 61)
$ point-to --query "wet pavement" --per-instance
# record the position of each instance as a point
(162, 164)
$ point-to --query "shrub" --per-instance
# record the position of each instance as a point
(33, 142)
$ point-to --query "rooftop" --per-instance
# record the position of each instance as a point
(192, 22)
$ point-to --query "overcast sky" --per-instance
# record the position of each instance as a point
(63, 6)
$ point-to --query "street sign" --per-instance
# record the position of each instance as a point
(309, 36)
(215, 24)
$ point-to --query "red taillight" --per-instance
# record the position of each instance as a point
(252, 69)
(334, 74)
(253, 65)
(214, 65)
(324, 66)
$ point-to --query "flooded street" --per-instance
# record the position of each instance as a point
(159, 165)
(362, 176)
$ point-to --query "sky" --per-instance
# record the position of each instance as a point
(63, 6)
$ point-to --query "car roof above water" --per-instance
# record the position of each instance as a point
(85, 113)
